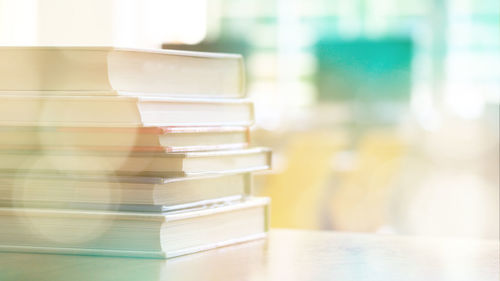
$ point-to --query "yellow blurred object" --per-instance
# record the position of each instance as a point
(296, 191)
(360, 201)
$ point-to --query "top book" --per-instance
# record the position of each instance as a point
(115, 71)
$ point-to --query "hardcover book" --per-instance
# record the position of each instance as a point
(160, 139)
(129, 234)
(102, 111)
(137, 163)
(120, 192)
(119, 72)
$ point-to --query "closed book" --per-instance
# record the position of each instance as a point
(137, 163)
(129, 234)
(102, 111)
(120, 72)
(167, 139)
(120, 193)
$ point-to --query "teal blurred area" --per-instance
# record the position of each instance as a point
(364, 69)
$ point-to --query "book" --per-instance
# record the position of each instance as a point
(101, 111)
(136, 163)
(119, 72)
(167, 139)
(147, 235)
(120, 193)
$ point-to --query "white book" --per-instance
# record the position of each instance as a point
(119, 72)
(102, 111)
(120, 193)
(166, 139)
(137, 163)
(148, 235)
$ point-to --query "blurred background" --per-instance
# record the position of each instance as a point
(383, 114)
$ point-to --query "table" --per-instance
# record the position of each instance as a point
(286, 255)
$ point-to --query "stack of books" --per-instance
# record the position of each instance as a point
(108, 151)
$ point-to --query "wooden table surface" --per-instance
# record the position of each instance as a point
(286, 255)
